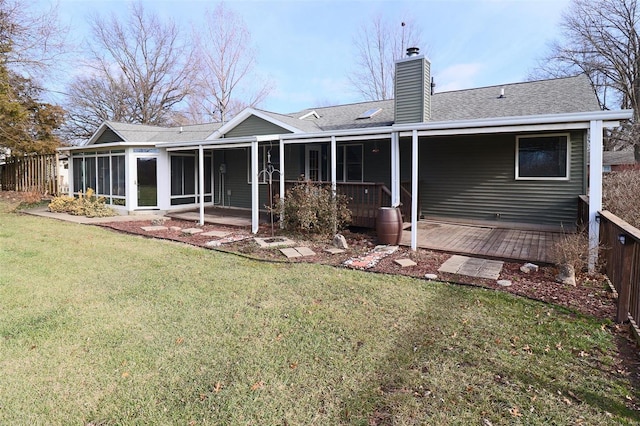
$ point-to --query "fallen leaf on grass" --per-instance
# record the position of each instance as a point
(179, 340)
(257, 385)
(293, 365)
(218, 387)
(125, 374)
(515, 412)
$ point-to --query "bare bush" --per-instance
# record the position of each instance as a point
(572, 249)
(621, 195)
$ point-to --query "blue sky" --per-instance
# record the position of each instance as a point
(306, 46)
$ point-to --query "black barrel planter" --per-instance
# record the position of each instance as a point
(389, 225)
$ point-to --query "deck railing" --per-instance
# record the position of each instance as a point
(621, 253)
(364, 200)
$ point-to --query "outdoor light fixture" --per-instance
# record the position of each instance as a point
(622, 238)
(597, 218)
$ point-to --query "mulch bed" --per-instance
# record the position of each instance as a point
(590, 297)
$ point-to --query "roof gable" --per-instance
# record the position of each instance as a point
(262, 121)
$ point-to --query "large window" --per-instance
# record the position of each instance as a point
(184, 179)
(349, 163)
(102, 171)
(543, 157)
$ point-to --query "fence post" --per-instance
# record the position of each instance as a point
(626, 259)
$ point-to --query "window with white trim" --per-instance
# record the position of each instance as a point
(349, 163)
(543, 157)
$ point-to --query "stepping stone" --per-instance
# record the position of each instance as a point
(334, 250)
(227, 240)
(154, 228)
(472, 267)
(290, 252)
(219, 234)
(305, 251)
(405, 263)
(175, 228)
(274, 242)
(191, 231)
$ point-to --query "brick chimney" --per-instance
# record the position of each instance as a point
(412, 88)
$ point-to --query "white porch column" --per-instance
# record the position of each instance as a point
(334, 164)
(70, 173)
(414, 190)
(395, 169)
(595, 189)
(255, 198)
(282, 186)
(201, 182)
(334, 173)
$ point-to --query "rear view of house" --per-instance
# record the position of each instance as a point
(514, 154)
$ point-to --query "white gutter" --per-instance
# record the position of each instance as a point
(106, 145)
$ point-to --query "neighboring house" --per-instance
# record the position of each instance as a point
(514, 153)
(615, 161)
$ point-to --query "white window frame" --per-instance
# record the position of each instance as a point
(567, 176)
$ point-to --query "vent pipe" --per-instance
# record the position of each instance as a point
(413, 51)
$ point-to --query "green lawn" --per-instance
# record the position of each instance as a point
(102, 328)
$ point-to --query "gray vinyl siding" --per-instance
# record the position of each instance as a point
(108, 136)
(412, 91)
(253, 126)
(474, 178)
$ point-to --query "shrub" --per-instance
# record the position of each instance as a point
(85, 205)
(621, 195)
(310, 208)
(572, 249)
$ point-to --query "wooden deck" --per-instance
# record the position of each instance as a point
(485, 241)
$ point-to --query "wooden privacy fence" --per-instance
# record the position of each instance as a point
(36, 173)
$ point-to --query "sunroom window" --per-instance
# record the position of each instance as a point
(542, 157)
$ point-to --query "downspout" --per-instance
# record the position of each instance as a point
(395, 169)
(201, 182)
(595, 189)
(414, 190)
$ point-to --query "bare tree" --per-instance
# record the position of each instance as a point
(226, 81)
(31, 41)
(379, 43)
(601, 39)
(140, 72)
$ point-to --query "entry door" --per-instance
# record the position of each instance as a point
(313, 168)
(147, 181)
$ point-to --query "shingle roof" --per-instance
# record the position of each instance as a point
(614, 158)
(555, 96)
(147, 133)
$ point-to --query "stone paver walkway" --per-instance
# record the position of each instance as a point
(370, 259)
(472, 267)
